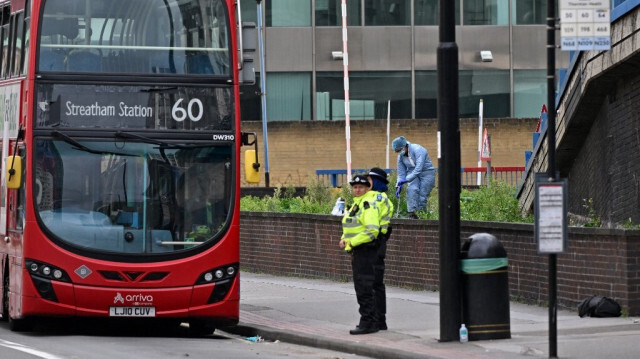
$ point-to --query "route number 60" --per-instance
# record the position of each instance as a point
(180, 114)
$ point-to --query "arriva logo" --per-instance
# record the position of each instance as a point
(139, 298)
(118, 298)
(136, 299)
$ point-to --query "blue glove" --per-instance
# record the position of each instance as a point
(398, 190)
(401, 183)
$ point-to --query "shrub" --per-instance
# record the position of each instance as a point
(495, 202)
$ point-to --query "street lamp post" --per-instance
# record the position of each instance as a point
(449, 175)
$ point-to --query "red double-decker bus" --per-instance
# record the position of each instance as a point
(120, 179)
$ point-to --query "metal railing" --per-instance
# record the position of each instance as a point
(468, 175)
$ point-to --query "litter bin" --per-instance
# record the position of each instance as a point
(485, 288)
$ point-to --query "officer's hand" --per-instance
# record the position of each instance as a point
(398, 190)
(342, 244)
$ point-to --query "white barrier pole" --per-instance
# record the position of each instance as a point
(480, 109)
(347, 112)
(388, 131)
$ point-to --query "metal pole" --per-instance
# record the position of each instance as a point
(263, 96)
(551, 166)
(388, 132)
(449, 175)
(480, 113)
(345, 65)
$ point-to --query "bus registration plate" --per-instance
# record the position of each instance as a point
(132, 311)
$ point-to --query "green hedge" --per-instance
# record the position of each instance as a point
(494, 203)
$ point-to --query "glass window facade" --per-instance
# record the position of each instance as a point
(329, 13)
(492, 86)
(529, 12)
(249, 11)
(387, 12)
(289, 96)
(369, 93)
(426, 12)
(529, 92)
(309, 92)
(485, 12)
(426, 94)
(288, 13)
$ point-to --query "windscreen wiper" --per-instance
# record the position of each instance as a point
(79, 146)
(161, 144)
(145, 139)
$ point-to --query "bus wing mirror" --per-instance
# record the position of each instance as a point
(14, 172)
(251, 163)
(251, 168)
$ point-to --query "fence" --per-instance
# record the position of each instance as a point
(468, 175)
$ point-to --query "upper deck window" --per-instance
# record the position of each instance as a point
(135, 37)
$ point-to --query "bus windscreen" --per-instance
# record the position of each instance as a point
(129, 197)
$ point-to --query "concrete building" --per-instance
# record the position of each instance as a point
(392, 48)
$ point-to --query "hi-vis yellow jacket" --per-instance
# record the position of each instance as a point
(360, 224)
(384, 206)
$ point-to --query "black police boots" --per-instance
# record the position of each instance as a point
(363, 330)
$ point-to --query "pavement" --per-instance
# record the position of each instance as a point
(320, 313)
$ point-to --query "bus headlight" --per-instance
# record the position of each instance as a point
(219, 274)
(208, 277)
(45, 270)
(42, 275)
(57, 274)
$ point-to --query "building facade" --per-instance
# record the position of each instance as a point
(392, 46)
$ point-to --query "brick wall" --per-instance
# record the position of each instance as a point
(297, 149)
(598, 262)
(598, 130)
(607, 169)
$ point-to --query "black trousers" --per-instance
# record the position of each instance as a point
(362, 263)
(379, 290)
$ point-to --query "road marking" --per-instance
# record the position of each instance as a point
(26, 349)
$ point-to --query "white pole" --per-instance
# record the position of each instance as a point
(345, 63)
(479, 178)
(388, 130)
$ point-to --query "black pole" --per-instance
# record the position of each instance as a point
(449, 175)
(551, 167)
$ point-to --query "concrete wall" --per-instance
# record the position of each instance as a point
(598, 261)
(298, 149)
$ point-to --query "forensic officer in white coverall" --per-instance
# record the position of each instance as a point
(416, 169)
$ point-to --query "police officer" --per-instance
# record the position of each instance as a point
(360, 228)
(378, 195)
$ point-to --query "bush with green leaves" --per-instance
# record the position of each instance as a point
(495, 202)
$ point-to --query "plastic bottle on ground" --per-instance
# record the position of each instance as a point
(464, 335)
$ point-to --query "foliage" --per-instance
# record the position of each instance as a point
(594, 219)
(628, 224)
(496, 202)
(318, 199)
